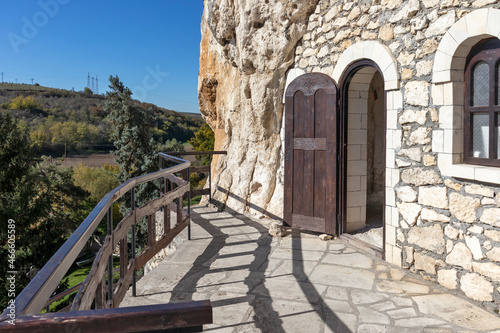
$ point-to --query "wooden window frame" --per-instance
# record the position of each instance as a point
(487, 51)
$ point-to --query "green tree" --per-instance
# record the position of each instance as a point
(203, 140)
(171, 145)
(41, 199)
(132, 136)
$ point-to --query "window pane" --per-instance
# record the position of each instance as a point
(480, 85)
(480, 135)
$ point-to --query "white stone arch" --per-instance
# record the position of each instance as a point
(372, 50)
(453, 49)
(447, 93)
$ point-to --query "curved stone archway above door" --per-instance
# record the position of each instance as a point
(374, 51)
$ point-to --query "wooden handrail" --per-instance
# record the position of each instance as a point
(181, 153)
(93, 290)
(130, 319)
(34, 297)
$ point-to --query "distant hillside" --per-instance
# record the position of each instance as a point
(59, 117)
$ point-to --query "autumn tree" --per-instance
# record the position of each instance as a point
(203, 140)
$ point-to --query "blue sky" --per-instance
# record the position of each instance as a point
(152, 45)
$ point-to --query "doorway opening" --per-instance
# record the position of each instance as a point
(364, 153)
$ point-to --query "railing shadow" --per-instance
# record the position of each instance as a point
(313, 296)
(265, 318)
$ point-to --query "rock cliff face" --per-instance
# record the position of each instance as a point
(246, 48)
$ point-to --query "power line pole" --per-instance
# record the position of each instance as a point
(31, 81)
(92, 84)
(97, 85)
(88, 80)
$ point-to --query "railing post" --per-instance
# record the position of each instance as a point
(210, 179)
(132, 206)
(110, 259)
(189, 202)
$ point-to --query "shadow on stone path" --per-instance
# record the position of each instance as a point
(298, 283)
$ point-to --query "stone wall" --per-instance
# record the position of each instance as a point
(442, 218)
(246, 49)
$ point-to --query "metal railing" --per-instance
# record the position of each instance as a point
(98, 290)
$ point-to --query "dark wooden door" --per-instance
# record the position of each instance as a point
(311, 153)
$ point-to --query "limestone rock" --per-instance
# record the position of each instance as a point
(245, 51)
(354, 14)
(474, 246)
(429, 160)
(451, 232)
(405, 58)
(412, 153)
(425, 263)
(448, 278)
(479, 190)
(491, 216)
(475, 229)
(325, 237)
(417, 93)
(410, 8)
(488, 201)
(429, 46)
(476, 287)
(433, 196)
(276, 230)
(386, 33)
(430, 3)
(430, 238)
(409, 211)
(460, 256)
(482, 3)
(420, 177)
(441, 24)
(413, 116)
(463, 207)
(391, 4)
(493, 235)
(409, 254)
(406, 73)
(424, 67)
(431, 215)
(488, 269)
(406, 194)
(494, 254)
(451, 184)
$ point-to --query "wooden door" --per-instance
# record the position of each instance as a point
(311, 154)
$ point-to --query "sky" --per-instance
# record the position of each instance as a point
(152, 45)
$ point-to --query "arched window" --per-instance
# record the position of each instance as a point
(482, 104)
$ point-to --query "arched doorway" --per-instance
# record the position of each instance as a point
(363, 152)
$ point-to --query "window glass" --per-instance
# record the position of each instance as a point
(480, 85)
(480, 135)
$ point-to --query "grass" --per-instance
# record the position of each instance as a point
(74, 276)
(194, 201)
(23, 86)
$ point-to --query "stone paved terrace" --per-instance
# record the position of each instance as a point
(299, 283)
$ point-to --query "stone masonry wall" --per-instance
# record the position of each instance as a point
(446, 229)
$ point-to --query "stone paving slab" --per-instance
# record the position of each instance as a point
(299, 283)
